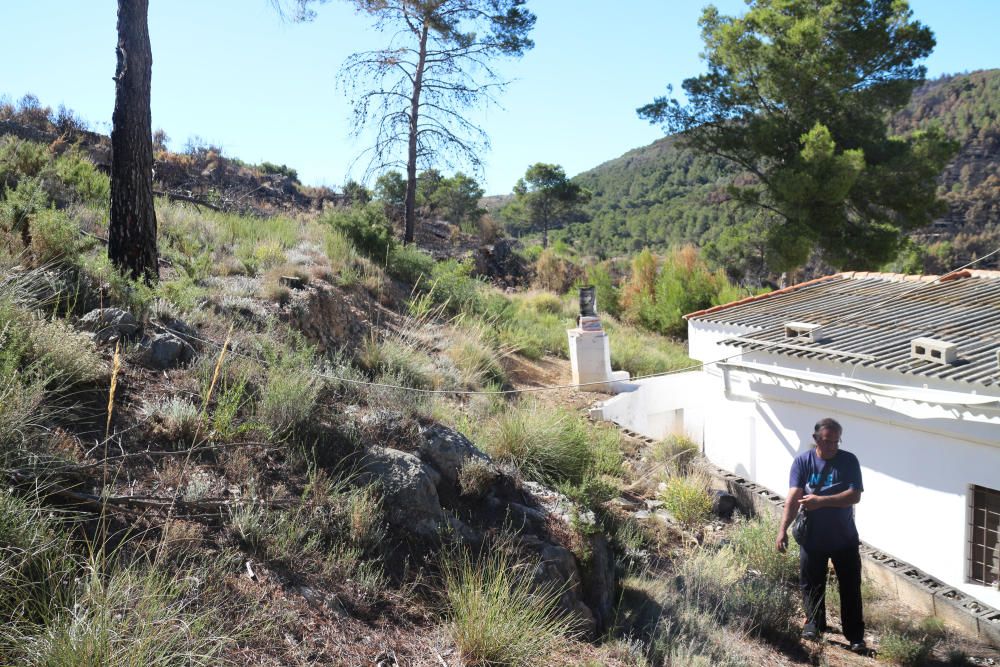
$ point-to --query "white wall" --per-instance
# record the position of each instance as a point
(918, 460)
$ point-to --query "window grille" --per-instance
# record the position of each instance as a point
(983, 536)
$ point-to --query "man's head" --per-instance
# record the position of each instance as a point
(826, 435)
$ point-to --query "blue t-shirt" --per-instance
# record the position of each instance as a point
(830, 528)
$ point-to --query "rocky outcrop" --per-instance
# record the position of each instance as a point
(161, 351)
(332, 318)
(500, 263)
(410, 491)
(423, 497)
(448, 451)
(109, 325)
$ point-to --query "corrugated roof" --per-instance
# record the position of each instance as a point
(878, 314)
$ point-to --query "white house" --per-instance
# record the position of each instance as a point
(909, 365)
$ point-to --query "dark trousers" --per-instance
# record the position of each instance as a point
(812, 582)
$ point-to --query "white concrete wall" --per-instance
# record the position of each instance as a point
(662, 406)
(918, 461)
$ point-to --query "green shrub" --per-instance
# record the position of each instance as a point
(259, 256)
(410, 264)
(675, 453)
(534, 333)
(717, 582)
(543, 302)
(753, 542)
(279, 169)
(289, 395)
(687, 499)
(497, 616)
(548, 445)
(132, 616)
(475, 356)
(36, 566)
(132, 295)
(68, 356)
(20, 159)
(453, 288)
(658, 294)
(642, 354)
(903, 649)
(179, 419)
(54, 237)
(402, 359)
(366, 227)
(79, 174)
(19, 208)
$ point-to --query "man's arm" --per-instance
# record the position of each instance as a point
(842, 499)
(791, 510)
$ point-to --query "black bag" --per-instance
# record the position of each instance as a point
(800, 527)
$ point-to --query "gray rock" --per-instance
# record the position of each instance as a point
(560, 506)
(448, 450)
(163, 350)
(557, 571)
(599, 582)
(292, 282)
(410, 489)
(179, 328)
(109, 324)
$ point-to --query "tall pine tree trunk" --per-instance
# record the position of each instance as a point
(132, 229)
(410, 205)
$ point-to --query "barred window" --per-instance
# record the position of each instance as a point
(985, 525)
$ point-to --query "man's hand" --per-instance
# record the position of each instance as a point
(811, 502)
(782, 542)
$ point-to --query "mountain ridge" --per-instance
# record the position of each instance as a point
(663, 194)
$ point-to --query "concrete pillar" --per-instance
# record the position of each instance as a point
(590, 358)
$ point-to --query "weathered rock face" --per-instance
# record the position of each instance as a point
(596, 589)
(410, 491)
(501, 264)
(163, 350)
(179, 328)
(109, 324)
(330, 318)
(423, 500)
(557, 570)
(448, 450)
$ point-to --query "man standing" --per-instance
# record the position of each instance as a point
(825, 481)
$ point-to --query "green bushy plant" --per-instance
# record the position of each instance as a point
(20, 159)
(55, 237)
(687, 499)
(660, 292)
(410, 264)
(753, 542)
(900, 648)
(289, 394)
(83, 178)
(497, 616)
(549, 445)
(452, 286)
(130, 616)
(35, 566)
(675, 453)
(367, 227)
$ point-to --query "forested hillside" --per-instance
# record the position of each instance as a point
(967, 107)
(661, 194)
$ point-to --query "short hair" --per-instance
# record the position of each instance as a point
(828, 422)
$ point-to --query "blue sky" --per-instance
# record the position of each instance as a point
(232, 73)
